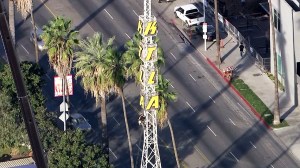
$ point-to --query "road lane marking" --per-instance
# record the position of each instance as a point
(232, 121)
(48, 8)
(245, 110)
(170, 83)
(138, 147)
(108, 14)
(116, 121)
(113, 153)
(211, 130)
(128, 36)
(173, 56)
(192, 77)
(190, 106)
(135, 13)
(252, 144)
(212, 99)
(201, 154)
(25, 49)
(91, 27)
(272, 166)
(234, 156)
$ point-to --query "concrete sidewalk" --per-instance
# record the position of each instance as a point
(245, 68)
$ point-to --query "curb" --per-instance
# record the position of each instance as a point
(227, 81)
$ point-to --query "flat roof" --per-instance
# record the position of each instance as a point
(19, 163)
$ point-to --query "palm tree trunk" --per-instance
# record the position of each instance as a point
(276, 120)
(218, 61)
(11, 18)
(105, 144)
(35, 36)
(174, 144)
(127, 128)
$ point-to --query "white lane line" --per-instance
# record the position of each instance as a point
(108, 14)
(113, 153)
(190, 106)
(252, 144)
(234, 157)
(48, 76)
(25, 49)
(170, 83)
(192, 77)
(272, 166)
(245, 110)
(173, 56)
(135, 13)
(232, 121)
(212, 99)
(91, 27)
(138, 147)
(211, 130)
(116, 121)
(128, 36)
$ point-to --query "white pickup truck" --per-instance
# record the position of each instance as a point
(189, 14)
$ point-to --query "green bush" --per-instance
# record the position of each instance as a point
(256, 102)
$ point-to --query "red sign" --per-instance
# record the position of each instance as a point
(58, 86)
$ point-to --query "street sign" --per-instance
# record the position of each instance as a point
(204, 36)
(62, 106)
(58, 86)
(204, 27)
(62, 117)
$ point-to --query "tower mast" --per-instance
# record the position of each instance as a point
(147, 27)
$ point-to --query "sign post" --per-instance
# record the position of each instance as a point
(204, 27)
(60, 90)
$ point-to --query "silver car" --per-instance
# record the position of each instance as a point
(77, 121)
(40, 42)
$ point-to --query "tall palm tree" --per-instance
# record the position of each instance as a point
(115, 68)
(60, 41)
(132, 59)
(219, 61)
(23, 6)
(89, 66)
(276, 119)
(165, 96)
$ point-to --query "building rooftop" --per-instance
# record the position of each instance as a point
(19, 163)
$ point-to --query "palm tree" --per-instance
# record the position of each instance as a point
(132, 59)
(23, 6)
(166, 96)
(219, 61)
(90, 67)
(60, 41)
(114, 67)
(276, 120)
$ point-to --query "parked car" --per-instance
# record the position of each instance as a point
(189, 14)
(40, 42)
(77, 121)
(211, 31)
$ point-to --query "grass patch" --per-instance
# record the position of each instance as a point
(256, 103)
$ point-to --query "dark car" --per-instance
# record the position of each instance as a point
(77, 121)
(211, 32)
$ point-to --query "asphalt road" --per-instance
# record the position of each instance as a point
(212, 126)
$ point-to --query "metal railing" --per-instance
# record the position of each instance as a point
(262, 63)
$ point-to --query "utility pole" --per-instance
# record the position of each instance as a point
(147, 27)
(218, 61)
(25, 106)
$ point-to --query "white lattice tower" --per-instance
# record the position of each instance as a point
(147, 27)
